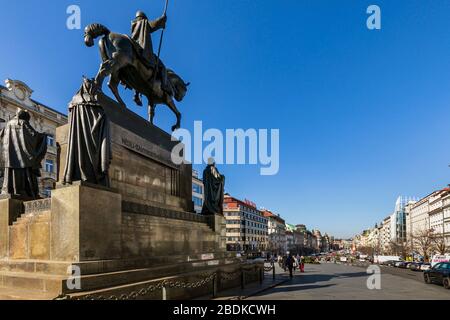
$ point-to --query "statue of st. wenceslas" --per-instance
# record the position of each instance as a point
(23, 150)
(214, 184)
(131, 61)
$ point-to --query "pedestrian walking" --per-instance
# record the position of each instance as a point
(302, 264)
(296, 265)
(290, 265)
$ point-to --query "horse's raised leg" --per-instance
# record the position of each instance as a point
(174, 108)
(114, 87)
(105, 70)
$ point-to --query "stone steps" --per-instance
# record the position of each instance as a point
(22, 294)
(172, 293)
(30, 236)
(34, 217)
(104, 282)
(105, 266)
(34, 266)
(33, 282)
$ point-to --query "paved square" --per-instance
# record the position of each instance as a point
(342, 282)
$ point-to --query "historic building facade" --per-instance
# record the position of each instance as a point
(440, 216)
(277, 232)
(247, 228)
(17, 95)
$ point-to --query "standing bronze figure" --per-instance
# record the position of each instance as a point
(131, 61)
(214, 184)
(89, 150)
(23, 151)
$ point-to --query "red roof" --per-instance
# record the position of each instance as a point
(270, 214)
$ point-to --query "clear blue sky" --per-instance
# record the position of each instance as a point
(364, 115)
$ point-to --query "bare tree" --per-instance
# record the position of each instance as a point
(399, 248)
(440, 244)
(366, 250)
(424, 241)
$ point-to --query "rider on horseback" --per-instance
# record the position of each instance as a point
(141, 30)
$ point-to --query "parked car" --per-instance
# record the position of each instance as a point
(440, 273)
(384, 259)
(390, 263)
(415, 266)
(425, 266)
(397, 264)
(402, 264)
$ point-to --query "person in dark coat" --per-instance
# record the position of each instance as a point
(290, 265)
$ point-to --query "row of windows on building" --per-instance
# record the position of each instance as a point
(247, 216)
(248, 231)
(236, 239)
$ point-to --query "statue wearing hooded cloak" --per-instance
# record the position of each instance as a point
(214, 184)
(23, 151)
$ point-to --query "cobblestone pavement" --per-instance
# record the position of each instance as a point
(343, 282)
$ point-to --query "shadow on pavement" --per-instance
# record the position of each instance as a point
(292, 288)
(313, 278)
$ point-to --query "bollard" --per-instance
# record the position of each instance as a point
(215, 287)
(273, 270)
(164, 293)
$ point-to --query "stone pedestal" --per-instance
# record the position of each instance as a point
(86, 224)
(10, 210)
(141, 169)
(218, 224)
(143, 230)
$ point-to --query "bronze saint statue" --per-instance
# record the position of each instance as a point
(214, 184)
(23, 150)
(131, 61)
(89, 143)
(141, 32)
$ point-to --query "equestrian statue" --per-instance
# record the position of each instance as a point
(131, 61)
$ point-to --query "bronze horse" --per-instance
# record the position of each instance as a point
(122, 62)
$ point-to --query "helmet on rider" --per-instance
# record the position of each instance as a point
(141, 14)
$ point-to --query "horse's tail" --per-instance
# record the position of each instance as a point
(96, 30)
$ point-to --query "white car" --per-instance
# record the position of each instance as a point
(425, 266)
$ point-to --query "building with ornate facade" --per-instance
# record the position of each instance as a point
(247, 228)
(17, 95)
(277, 232)
(385, 235)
